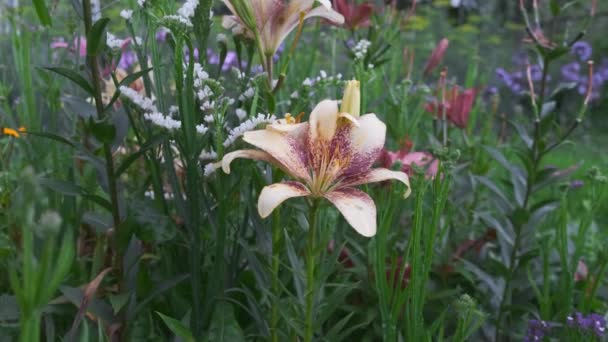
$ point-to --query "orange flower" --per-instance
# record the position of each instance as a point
(13, 132)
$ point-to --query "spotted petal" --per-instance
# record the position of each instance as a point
(357, 208)
(286, 146)
(363, 143)
(380, 175)
(275, 194)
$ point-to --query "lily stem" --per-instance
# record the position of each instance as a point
(310, 268)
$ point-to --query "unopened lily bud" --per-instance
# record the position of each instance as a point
(436, 56)
(351, 102)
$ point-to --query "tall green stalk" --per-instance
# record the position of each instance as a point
(310, 269)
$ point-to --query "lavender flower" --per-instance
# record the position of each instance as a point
(583, 50)
(537, 329)
(127, 60)
(571, 72)
(577, 184)
(504, 76)
(593, 323)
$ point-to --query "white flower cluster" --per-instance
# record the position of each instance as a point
(178, 19)
(323, 77)
(126, 14)
(184, 13)
(360, 50)
(247, 126)
(208, 155)
(151, 112)
(247, 94)
(199, 75)
(113, 42)
(188, 8)
(161, 120)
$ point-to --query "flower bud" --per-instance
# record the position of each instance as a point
(351, 102)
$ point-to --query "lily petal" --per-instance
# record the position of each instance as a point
(324, 121)
(286, 146)
(380, 175)
(357, 208)
(363, 143)
(248, 154)
(275, 194)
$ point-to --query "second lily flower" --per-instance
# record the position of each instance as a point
(327, 156)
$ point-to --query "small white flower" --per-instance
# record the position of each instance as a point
(209, 118)
(141, 3)
(126, 14)
(308, 82)
(113, 42)
(241, 113)
(201, 129)
(294, 95)
(188, 8)
(208, 155)
(323, 74)
(209, 170)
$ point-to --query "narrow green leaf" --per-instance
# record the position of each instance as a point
(96, 38)
(177, 327)
(43, 12)
(74, 77)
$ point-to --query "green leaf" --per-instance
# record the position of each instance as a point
(102, 131)
(177, 327)
(43, 12)
(555, 9)
(52, 136)
(154, 141)
(74, 77)
(71, 189)
(118, 301)
(224, 326)
(96, 38)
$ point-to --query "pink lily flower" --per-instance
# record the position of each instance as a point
(275, 19)
(408, 159)
(328, 156)
(355, 16)
(458, 106)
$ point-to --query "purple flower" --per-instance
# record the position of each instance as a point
(583, 50)
(571, 72)
(592, 323)
(504, 76)
(536, 72)
(161, 35)
(577, 184)
(537, 329)
(187, 54)
(127, 60)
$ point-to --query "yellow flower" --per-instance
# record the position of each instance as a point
(327, 156)
(13, 132)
